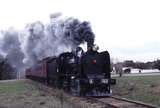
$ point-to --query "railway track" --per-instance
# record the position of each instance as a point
(117, 102)
(91, 102)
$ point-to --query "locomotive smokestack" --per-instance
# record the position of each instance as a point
(89, 46)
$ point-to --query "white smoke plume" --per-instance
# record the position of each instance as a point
(10, 46)
(39, 40)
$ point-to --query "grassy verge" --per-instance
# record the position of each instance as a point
(15, 87)
(21, 94)
(141, 88)
(30, 94)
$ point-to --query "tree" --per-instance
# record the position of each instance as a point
(6, 70)
(118, 68)
(157, 64)
(129, 63)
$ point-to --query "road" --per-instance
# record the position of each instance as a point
(136, 74)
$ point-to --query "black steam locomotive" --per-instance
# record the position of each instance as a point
(78, 73)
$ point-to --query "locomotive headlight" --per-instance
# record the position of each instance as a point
(105, 81)
(90, 81)
(71, 60)
(72, 77)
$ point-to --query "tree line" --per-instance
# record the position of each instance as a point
(6, 70)
(140, 65)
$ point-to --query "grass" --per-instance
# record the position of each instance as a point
(15, 87)
(29, 94)
(22, 94)
(141, 88)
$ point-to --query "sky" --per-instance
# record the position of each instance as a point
(128, 29)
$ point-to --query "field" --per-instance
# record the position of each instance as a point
(141, 88)
(22, 94)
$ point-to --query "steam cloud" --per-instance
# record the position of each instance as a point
(39, 40)
(10, 46)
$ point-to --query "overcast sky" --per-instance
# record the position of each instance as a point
(128, 29)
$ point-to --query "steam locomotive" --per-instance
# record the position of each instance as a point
(76, 72)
